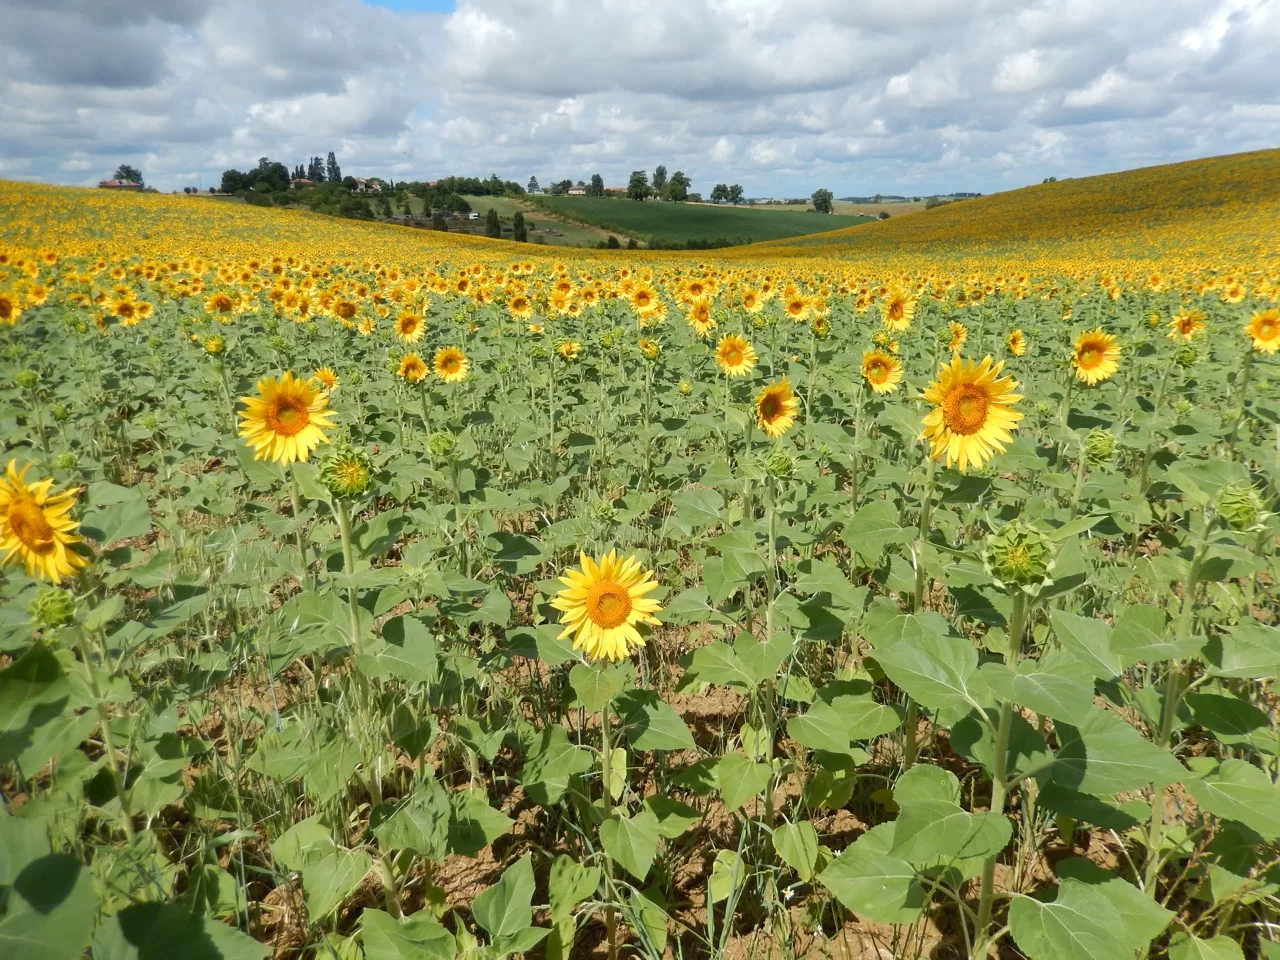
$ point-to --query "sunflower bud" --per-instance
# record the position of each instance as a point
(1019, 556)
(150, 422)
(442, 443)
(278, 343)
(779, 464)
(1044, 407)
(346, 473)
(27, 379)
(604, 511)
(1100, 445)
(154, 343)
(1153, 320)
(1183, 407)
(1186, 355)
(821, 328)
(214, 345)
(66, 461)
(650, 348)
(61, 412)
(1241, 506)
(53, 607)
(685, 389)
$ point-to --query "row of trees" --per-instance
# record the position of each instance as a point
(727, 193)
(674, 187)
(271, 176)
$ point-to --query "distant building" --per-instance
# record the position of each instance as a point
(299, 182)
(119, 185)
(577, 191)
(621, 190)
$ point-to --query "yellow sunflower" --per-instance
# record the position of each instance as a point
(520, 307)
(898, 310)
(326, 378)
(570, 349)
(796, 307)
(1264, 329)
(412, 368)
(882, 372)
(700, 318)
(220, 303)
(776, 407)
(286, 421)
(734, 356)
(410, 327)
(10, 308)
(1186, 324)
(1096, 357)
(959, 334)
(650, 348)
(973, 413)
(450, 364)
(34, 527)
(1017, 342)
(603, 602)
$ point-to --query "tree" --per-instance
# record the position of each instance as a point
(438, 222)
(126, 172)
(332, 171)
(822, 201)
(638, 186)
(659, 179)
(597, 186)
(735, 194)
(878, 198)
(519, 232)
(533, 185)
(678, 187)
(719, 193)
(612, 243)
(561, 187)
(492, 225)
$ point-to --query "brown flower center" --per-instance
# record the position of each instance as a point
(965, 410)
(28, 523)
(608, 604)
(288, 416)
(770, 407)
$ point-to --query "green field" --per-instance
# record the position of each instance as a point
(682, 222)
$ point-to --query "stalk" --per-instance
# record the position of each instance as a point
(1075, 493)
(349, 565)
(808, 390)
(551, 417)
(771, 591)
(606, 774)
(1169, 714)
(910, 746)
(118, 776)
(426, 412)
(295, 498)
(999, 780)
(1246, 373)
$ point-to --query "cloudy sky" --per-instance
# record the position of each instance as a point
(782, 96)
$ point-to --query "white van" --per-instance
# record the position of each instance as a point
(473, 215)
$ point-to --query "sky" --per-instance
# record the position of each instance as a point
(782, 96)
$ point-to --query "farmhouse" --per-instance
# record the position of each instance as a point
(299, 183)
(577, 191)
(119, 185)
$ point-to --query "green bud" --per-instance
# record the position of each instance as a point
(154, 343)
(66, 461)
(53, 607)
(1019, 556)
(27, 379)
(442, 443)
(1186, 355)
(779, 464)
(604, 511)
(1044, 407)
(347, 472)
(61, 412)
(150, 421)
(1100, 445)
(1183, 407)
(278, 343)
(1241, 506)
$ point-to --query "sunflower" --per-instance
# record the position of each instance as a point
(796, 307)
(603, 602)
(125, 309)
(1264, 329)
(569, 349)
(650, 348)
(1186, 324)
(220, 303)
(285, 421)
(776, 408)
(520, 307)
(973, 413)
(700, 318)
(35, 528)
(882, 372)
(1096, 357)
(410, 327)
(899, 310)
(643, 299)
(1016, 342)
(734, 356)
(345, 309)
(326, 378)
(752, 302)
(959, 334)
(10, 308)
(450, 364)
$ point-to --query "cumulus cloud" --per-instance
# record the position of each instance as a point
(782, 96)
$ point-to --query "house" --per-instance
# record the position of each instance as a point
(119, 185)
(361, 185)
(619, 191)
(374, 185)
(299, 183)
(577, 191)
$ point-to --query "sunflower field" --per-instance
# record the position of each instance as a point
(378, 593)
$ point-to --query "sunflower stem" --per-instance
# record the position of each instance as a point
(349, 567)
(551, 417)
(1242, 392)
(910, 745)
(295, 498)
(426, 410)
(808, 388)
(606, 776)
(88, 648)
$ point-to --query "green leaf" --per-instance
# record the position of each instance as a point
(1227, 717)
(420, 824)
(873, 884)
(568, 885)
(718, 663)
(50, 909)
(728, 875)
(651, 723)
(418, 937)
(1139, 637)
(474, 824)
(1049, 694)
(821, 727)
(328, 882)
(161, 931)
(505, 909)
(1248, 650)
(674, 818)
(1089, 640)
(596, 685)
(303, 843)
(119, 521)
(937, 672)
(797, 845)
(34, 692)
(924, 782)
(740, 779)
(1186, 947)
(631, 841)
(1237, 790)
(1104, 755)
(551, 764)
(931, 831)
(406, 652)
(649, 908)
(1143, 918)
(1081, 924)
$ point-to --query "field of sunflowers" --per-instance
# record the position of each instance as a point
(908, 591)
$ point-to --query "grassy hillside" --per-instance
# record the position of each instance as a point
(682, 222)
(1126, 214)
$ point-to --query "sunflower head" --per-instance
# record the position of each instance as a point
(410, 327)
(1241, 506)
(214, 345)
(411, 368)
(450, 364)
(776, 408)
(1099, 445)
(1017, 342)
(603, 602)
(898, 310)
(881, 372)
(53, 607)
(973, 416)
(650, 349)
(287, 420)
(34, 527)
(1096, 356)
(735, 356)
(347, 472)
(1019, 556)
(1264, 330)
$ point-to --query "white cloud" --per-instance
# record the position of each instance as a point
(782, 96)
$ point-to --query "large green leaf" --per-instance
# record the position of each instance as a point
(1089, 640)
(34, 692)
(938, 672)
(1187, 947)
(872, 883)
(329, 881)
(569, 883)
(595, 685)
(1237, 790)
(651, 723)
(933, 831)
(551, 764)
(160, 931)
(50, 909)
(631, 841)
(505, 909)
(797, 845)
(1104, 755)
(474, 824)
(419, 937)
(740, 779)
